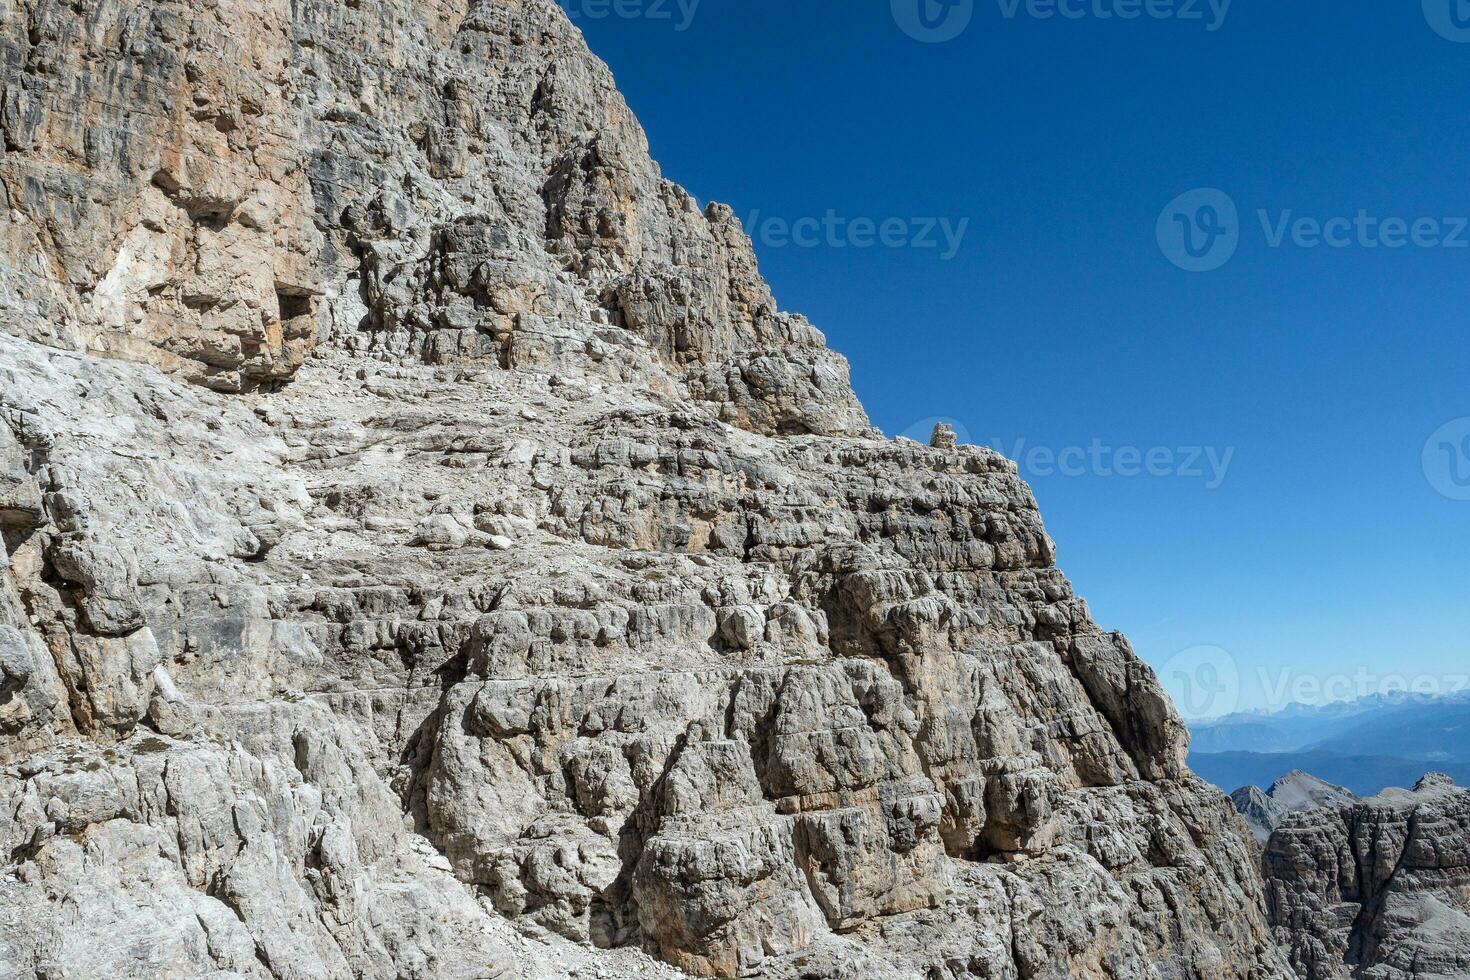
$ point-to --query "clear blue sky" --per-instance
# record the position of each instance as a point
(1060, 321)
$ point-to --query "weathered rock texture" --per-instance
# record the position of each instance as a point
(1377, 890)
(1264, 811)
(431, 553)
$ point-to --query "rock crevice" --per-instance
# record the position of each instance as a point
(432, 553)
(1376, 888)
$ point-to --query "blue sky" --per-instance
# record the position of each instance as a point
(1325, 559)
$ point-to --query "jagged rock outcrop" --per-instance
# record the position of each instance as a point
(1378, 889)
(432, 553)
(1264, 811)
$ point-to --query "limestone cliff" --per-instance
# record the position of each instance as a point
(1378, 889)
(432, 553)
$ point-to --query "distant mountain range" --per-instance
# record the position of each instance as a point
(1365, 775)
(1365, 745)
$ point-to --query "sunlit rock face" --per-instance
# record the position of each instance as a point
(1377, 888)
(432, 553)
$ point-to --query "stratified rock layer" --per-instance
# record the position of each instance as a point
(1377, 890)
(431, 553)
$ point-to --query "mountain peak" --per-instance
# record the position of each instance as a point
(437, 555)
(1403, 852)
(1296, 792)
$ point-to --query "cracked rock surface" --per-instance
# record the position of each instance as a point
(431, 553)
(1377, 889)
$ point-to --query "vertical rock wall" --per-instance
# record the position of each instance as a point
(432, 553)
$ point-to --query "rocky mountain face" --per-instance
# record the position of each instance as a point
(1378, 889)
(431, 553)
(1264, 811)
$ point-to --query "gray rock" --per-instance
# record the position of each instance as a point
(20, 498)
(944, 437)
(1296, 791)
(433, 554)
(1375, 888)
